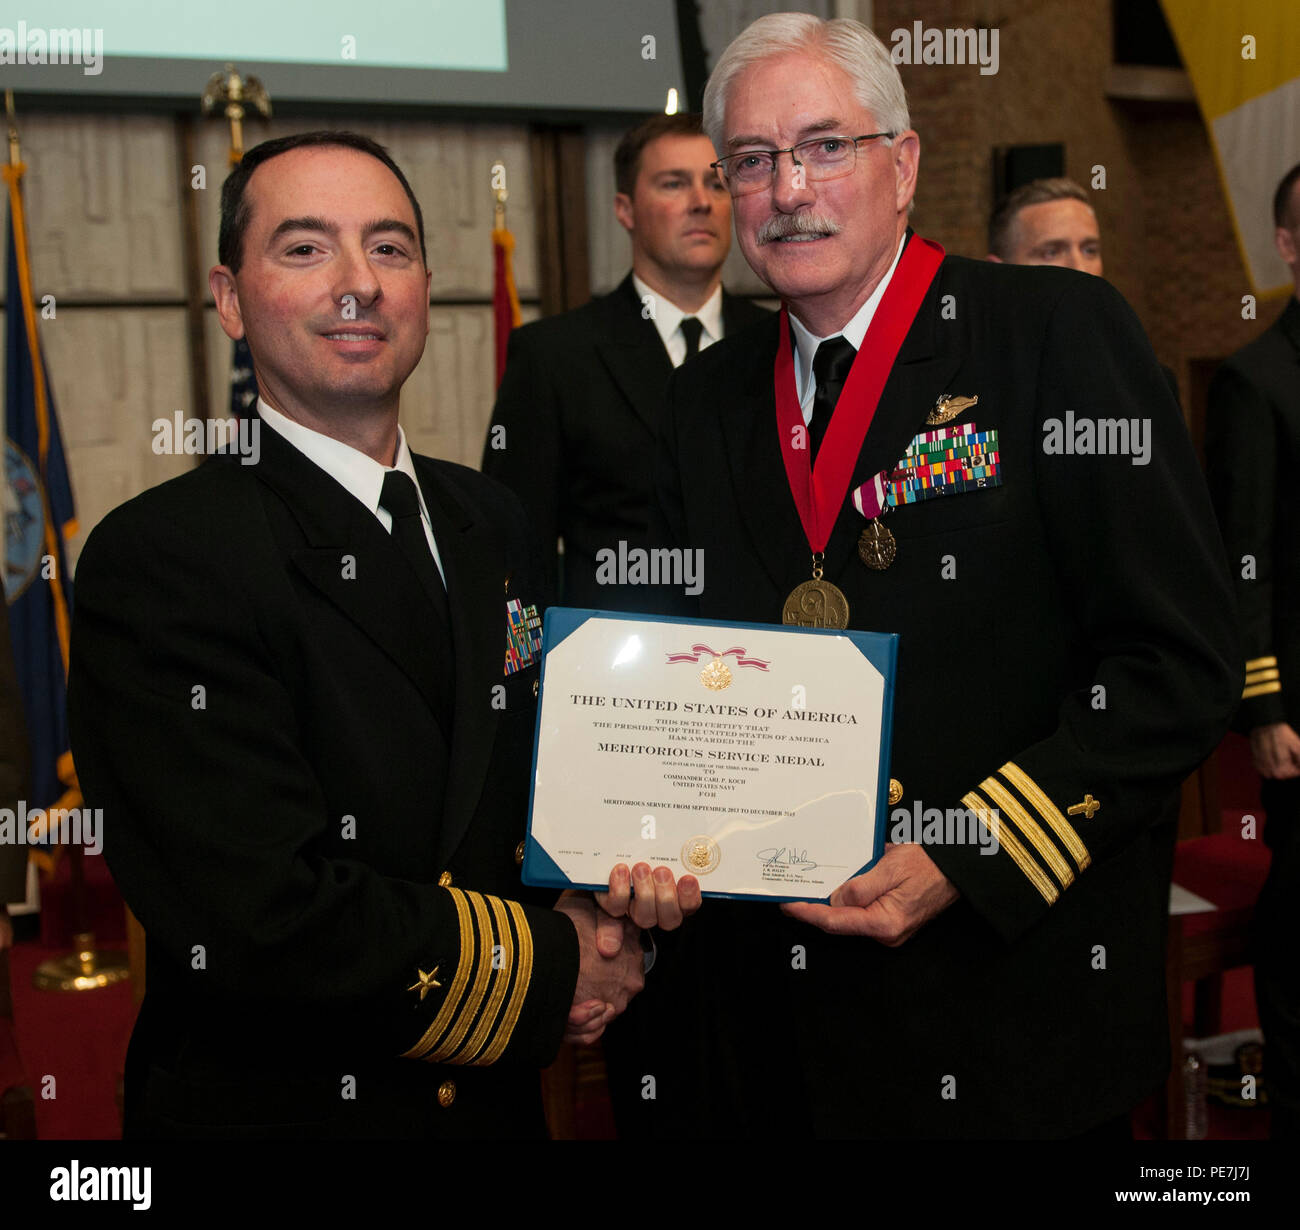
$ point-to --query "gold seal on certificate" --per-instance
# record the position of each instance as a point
(716, 676)
(700, 855)
(816, 604)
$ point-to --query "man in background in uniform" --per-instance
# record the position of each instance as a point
(1252, 441)
(1051, 222)
(1046, 222)
(582, 397)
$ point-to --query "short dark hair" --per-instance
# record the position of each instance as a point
(1036, 192)
(1282, 212)
(235, 210)
(627, 158)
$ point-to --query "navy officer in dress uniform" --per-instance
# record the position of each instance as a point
(302, 690)
(582, 397)
(1003, 479)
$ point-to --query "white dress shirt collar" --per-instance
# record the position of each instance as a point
(360, 475)
(668, 319)
(806, 342)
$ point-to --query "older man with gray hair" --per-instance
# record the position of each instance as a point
(921, 436)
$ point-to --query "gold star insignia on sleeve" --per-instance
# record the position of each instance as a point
(1088, 808)
(426, 983)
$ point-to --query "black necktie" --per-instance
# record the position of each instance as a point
(402, 502)
(691, 330)
(831, 366)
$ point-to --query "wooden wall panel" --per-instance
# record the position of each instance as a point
(102, 205)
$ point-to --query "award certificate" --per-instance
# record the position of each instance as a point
(753, 756)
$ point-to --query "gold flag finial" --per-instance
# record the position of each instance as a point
(233, 94)
(15, 151)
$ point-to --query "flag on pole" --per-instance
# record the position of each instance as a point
(243, 381)
(1244, 62)
(505, 296)
(39, 520)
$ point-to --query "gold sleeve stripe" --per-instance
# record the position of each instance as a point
(1009, 807)
(1255, 664)
(477, 993)
(523, 979)
(448, 1009)
(1260, 689)
(1263, 675)
(500, 983)
(1007, 840)
(1050, 813)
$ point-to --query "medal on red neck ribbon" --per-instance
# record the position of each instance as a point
(819, 489)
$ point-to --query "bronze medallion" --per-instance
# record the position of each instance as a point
(876, 546)
(895, 791)
(816, 604)
(716, 676)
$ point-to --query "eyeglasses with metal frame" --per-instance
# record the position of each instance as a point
(821, 158)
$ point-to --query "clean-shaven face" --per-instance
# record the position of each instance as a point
(818, 244)
(332, 293)
(679, 213)
(1057, 233)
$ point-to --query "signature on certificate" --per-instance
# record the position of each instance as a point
(786, 856)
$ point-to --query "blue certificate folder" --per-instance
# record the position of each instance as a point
(880, 650)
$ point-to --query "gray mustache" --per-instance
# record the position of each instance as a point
(780, 225)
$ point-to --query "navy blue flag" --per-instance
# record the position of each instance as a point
(39, 519)
(243, 383)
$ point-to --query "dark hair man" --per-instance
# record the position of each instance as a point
(287, 694)
(573, 428)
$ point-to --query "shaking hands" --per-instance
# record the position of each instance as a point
(609, 925)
